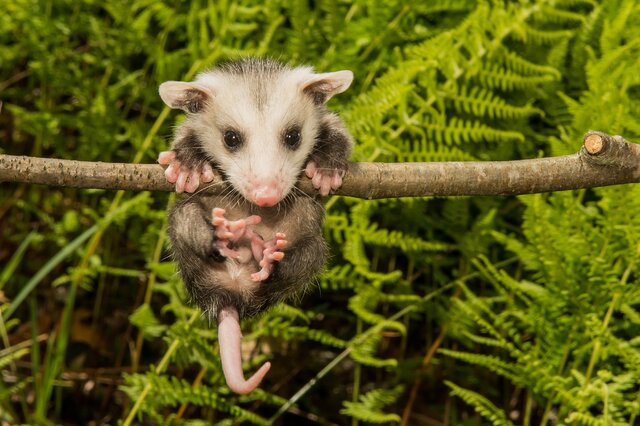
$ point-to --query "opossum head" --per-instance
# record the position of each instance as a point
(256, 120)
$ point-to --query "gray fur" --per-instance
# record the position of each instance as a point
(333, 144)
(212, 280)
(190, 150)
(206, 272)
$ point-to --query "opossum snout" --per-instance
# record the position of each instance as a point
(266, 194)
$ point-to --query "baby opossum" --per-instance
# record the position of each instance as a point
(262, 125)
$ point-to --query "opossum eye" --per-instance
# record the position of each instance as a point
(232, 140)
(292, 138)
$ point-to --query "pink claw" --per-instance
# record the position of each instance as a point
(322, 182)
(207, 174)
(166, 157)
(193, 181)
(325, 186)
(336, 181)
(218, 213)
(182, 181)
(310, 170)
(172, 173)
(277, 256)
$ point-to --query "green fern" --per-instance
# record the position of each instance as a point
(482, 103)
(365, 353)
(171, 391)
(370, 405)
(541, 312)
(546, 297)
(516, 63)
(481, 404)
(145, 320)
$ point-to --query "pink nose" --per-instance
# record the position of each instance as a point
(266, 196)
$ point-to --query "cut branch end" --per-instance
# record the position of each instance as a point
(594, 143)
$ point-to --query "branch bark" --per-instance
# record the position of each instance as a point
(603, 160)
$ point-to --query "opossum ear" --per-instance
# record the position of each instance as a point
(189, 97)
(321, 87)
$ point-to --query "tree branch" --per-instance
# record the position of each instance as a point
(603, 160)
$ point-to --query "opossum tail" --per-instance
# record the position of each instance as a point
(230, 337)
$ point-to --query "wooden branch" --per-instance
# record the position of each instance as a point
(603, 160)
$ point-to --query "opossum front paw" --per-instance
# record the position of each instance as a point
(186, 179)
(228, 231)
(324, 180)
(271, 253)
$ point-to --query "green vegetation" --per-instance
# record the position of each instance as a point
(460, 311)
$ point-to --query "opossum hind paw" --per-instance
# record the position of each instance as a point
(271, 253)
(228, 231)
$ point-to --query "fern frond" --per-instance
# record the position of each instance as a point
(423, 150)
(368, 110)
(408, 244)
(553, 15)
(325, 338)
(172, 392)
(483, 340)
(493, 363)
(400, 298)
(499, 77)
(340, 277)
(354, 252)
(632, 314)
(336, 224)
(483, 103)
(530, 35)
(459, 131)
(528, 257)
(437, 6)
(291, 313)
(482, 405)
(364, 352)
(587, 419)
(370, 405)
(13, 356)
(516, 63)
(479, 310)
(502, 282)
(362, 304)
(146, 321)
(276, 327)
(567, 4)
(11, 392)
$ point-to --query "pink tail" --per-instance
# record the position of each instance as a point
(230, 336)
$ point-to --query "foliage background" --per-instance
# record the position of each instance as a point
(457, 311)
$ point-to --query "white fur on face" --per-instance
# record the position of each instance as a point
(260, 108)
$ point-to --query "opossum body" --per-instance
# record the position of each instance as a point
(223, 286)
(262, 125)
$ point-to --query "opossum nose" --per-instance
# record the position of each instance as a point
(266, 196)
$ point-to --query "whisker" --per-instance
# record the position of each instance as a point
(301, 193)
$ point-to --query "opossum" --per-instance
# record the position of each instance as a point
(263, 126)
